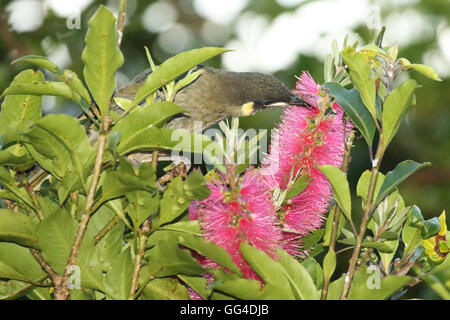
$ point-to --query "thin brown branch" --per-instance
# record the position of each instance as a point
(55, 277)
(62, 290)
(121, 20)
(143, 236)
(368, 207)
(115, 220)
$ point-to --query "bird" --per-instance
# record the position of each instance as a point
(217, 94)
(213, 96)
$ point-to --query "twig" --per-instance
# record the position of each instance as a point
(121, 20)
(365, 219)
(115, 220)
(179, 170)
(143, 236)
(45, 266)
(62, 291)
(33, 197)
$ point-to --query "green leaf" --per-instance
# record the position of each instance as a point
(311, 239)
(60, 145)
(329, 264)
(40, 62)
(245, 289)
(152, 138)
(270, 271)
(393, 178)
(380, 246)
(301, 282)
(411, 235)
(421, 68)
(18, 228)
(118, 279)
(208, 249)
(18, 263)
(354, 108)
(165, 289)
(118, 183)
(178, 195)
(300, 184)
(153, 115)
(198, 284)
(13, 191)
(141, 205)
(341, 189)
(360, 74)
(56, 235)
(361, 290)
(173, 68)
(41, 88)
(18, 110)
(166, 258)
(395, 106)
(430, 228)
(101, 57)
(16, 157)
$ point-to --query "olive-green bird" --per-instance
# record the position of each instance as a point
(217, 94)
(213, 96)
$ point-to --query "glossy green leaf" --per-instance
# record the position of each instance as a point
(123, 180)
(56, 235)
(364, 287)
(360, 74)
(41, 88)
(178, 195)
(40, 61)
(341, 189)
(354, 108)
(18, 228)
(421, 68)
(59, 144)
(271, 271)
(393, 178)
(430, 228)
(101, 57)
(381, 246)
(165, 289)
(153, 115)
(141, 205)
(329, 264)
(173, 68)
(301, 282)
(16, 157)
(395, 107)
(152, 138)
(166, 258)
(118, 279)
(17, 262)
(11, 189)
(18, 110)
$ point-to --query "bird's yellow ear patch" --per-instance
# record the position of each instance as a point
(247, 108)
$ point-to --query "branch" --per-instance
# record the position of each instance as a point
(121, 20)
(337, 211)
(143, 236)
(365, 219)
(61, 290)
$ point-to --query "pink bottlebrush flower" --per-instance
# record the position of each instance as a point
(246, 213)
(305, 139)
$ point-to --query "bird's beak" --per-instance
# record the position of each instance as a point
(297, 101)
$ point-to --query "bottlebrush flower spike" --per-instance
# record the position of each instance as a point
(305, 139)
(243, 213)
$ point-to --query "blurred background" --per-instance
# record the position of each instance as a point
(282, 37)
